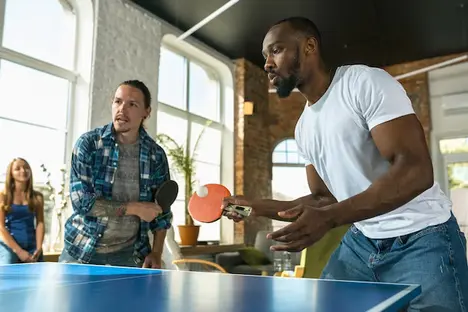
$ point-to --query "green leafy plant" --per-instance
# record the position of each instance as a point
(183, 162)
(453, 181)
(58, 197)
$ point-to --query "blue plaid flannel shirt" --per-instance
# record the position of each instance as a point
(94, 161)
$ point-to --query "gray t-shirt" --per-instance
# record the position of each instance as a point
(122, 231)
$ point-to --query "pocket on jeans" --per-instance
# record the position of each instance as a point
(440, 228)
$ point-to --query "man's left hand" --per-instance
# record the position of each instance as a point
(152, 261)
(37, 254)
(311, 225)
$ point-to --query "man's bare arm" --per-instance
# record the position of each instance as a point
(158, 242)
(146, 211)
(108, 208)
(402, 142)
(318, 190)
(320, 196)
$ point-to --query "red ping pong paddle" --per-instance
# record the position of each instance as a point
(205, 204)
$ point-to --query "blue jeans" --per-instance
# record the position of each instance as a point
(8, 256)
(122, 257)
(434, 258)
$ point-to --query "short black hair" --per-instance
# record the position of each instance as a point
(140, 86)
(304, 26)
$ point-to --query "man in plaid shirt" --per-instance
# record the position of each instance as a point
(115, 171)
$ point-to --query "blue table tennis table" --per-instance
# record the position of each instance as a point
(51, 287)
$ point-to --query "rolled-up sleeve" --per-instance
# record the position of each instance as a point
(82, 194)
(164, 222)
(162, 174)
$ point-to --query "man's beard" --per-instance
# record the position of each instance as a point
(286, 85)
(122, 129)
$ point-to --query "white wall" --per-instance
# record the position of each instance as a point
(127, 43)
(448, 90)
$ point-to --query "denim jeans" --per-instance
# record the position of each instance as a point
(122, 257)
(8, 256)
(434, 258)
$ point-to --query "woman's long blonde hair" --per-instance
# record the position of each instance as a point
(8, 192)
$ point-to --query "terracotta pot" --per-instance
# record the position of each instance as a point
(188, 234)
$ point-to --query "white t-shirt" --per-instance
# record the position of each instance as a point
(334, 136)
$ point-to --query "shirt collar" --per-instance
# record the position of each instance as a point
(109, 132)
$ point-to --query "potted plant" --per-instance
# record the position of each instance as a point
(183, 162)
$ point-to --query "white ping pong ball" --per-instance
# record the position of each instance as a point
(202, 191)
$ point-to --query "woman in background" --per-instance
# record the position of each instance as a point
(21, 216)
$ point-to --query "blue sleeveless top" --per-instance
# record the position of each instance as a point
(20, 223)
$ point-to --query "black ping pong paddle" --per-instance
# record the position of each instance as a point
(166, 195)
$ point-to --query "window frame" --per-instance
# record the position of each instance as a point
(45, 67)
(276, 224)
(77, 88)
(191, 117)
(285, 151)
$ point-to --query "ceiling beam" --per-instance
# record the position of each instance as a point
(207, 19)
(432, 67)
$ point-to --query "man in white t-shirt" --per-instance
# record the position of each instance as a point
(368, 165)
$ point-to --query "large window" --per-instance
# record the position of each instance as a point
(189, 99)
(455, 152)
(289, 175)
(36, 81)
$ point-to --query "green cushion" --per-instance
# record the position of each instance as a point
(253, 256)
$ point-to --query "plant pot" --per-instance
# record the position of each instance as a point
(188, 234)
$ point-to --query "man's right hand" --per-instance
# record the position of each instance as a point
(25, 256)
(147, 211)
(236, 200)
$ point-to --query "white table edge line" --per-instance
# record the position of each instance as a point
(388, 302)
(366, 282)
(101, 266)
(66, 284)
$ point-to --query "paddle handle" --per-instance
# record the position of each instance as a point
(242, 210)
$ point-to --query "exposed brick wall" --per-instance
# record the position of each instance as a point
(239, 127)
(253, 147)
(285, 113)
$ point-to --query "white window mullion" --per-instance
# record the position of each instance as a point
(187, 105)
(2, 18)
(289, 165)
(33, 124)
(171, 110)
(69, 125)
(223, 122)
(27, 61)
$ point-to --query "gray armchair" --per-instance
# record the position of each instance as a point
(256, 260)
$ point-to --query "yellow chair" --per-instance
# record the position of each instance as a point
(315, 258)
